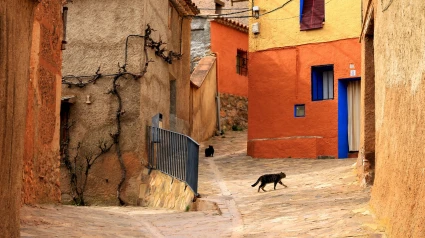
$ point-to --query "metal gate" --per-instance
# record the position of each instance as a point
(174, 154)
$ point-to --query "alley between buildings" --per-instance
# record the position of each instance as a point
(323, 199)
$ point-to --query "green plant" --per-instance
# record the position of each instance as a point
(237, 128)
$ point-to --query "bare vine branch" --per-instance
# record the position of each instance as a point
(82, 81)
(116, 138)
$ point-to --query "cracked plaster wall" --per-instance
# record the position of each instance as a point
(96, 37)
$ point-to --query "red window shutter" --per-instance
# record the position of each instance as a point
(313, 14)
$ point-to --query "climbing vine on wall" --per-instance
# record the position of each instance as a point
(78, 180)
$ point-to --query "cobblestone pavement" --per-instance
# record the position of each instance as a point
(323, 199)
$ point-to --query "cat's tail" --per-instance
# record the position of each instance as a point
(255, 184)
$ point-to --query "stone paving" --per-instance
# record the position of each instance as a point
(323, 199)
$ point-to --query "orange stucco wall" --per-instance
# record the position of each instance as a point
(224, 42)
(281, 78)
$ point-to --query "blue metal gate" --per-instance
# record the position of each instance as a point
(174, 154)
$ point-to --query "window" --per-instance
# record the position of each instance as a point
(312, 14)
(299, 110)
(218, 6)
(322, 82)
(242, 62)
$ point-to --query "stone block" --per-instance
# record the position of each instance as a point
(325, 157)
(142, 190)
(164, 191)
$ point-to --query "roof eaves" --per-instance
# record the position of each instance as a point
(202, 70)
(231, 23)
(185, 7)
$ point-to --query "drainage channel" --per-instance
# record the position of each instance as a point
(229, 202)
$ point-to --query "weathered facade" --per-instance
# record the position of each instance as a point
(229, 42)
(304, 69)
(98, 39)
(366, 158)
(15, 43)
(393, 133)
(30, 61)
(41, 159)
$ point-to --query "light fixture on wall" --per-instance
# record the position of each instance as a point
(256, 12)
(88, 99)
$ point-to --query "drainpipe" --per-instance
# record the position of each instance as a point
(217, 98)
(217, 95)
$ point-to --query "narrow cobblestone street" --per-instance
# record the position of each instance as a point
(323, 199)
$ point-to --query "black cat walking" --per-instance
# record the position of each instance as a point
(270, 178)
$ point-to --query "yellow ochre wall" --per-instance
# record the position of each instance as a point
(282, 27)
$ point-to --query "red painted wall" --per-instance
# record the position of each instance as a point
(225, 41)
(281, 78)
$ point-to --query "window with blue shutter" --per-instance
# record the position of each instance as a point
(322, 82)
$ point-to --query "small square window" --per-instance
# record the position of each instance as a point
(299, 110)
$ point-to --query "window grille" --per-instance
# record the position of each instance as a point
(242, 62)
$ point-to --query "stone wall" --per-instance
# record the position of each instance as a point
(201, 35)
(41, 159)
(201, 40)
(160, 190)
(16, 19)
(233, 112)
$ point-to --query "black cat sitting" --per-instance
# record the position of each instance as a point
(209, 152)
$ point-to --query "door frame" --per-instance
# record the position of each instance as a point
(343, 116)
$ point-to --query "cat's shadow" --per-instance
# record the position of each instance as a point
(272, 190)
